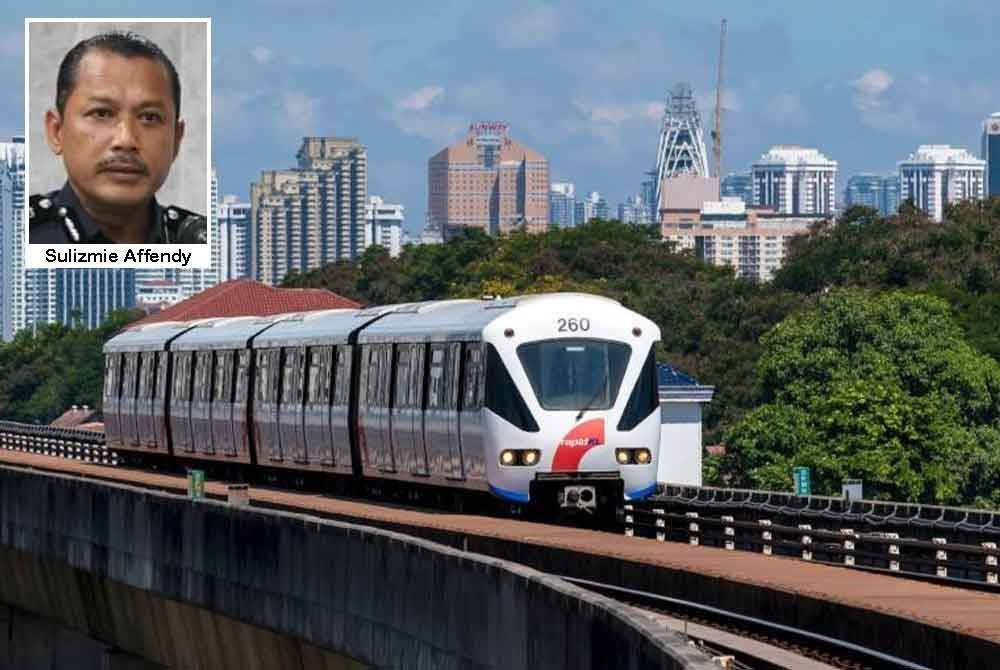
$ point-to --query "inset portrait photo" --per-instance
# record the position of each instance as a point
(118, 142)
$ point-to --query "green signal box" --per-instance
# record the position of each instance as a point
(803, 481)
(196, 484)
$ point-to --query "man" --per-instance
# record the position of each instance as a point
(117, 126)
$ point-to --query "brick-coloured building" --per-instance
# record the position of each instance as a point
(489, 181)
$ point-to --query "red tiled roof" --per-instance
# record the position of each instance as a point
(246, 297)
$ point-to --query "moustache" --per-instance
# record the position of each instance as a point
(121, 164)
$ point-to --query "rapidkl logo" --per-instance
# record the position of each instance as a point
(576, 443)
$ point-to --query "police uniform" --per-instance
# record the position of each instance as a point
(59, 218)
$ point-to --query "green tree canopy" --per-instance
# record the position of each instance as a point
(880, 386)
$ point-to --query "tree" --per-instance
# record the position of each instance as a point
(881, 386)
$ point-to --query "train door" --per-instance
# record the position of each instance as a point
(290, 406)
(145, 432)
(318, 436)
(161, 395)
(373, 408)
(441, 416)
(241, 401)
(470, 416)
(126, 415)
(266, 403)
(112, 392)
(340, 407)
(180, 402)
(201, 403)
(407, 419)
(221, 410)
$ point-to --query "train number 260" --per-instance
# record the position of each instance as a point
(573, 324)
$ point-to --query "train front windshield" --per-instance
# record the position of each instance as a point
(575, 374)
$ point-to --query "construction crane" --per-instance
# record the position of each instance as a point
(717, 130)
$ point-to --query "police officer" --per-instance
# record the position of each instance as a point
(116, 124)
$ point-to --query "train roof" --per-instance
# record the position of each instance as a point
(150, 337)
(330, 326)
(227, 333)
(454, 320)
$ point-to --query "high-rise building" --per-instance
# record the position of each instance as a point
(795, 180)
(234, 238)
(593, 206)
(88, 296)
(991, 153)
(634, 210)
(680, 150)
(488, 181)
(875, 191)
(384, 225)
(562, 204)
(937, 175)
(12, 271)
(736, 185)
(313, 214)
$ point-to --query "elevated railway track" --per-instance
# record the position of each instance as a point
(923, 624)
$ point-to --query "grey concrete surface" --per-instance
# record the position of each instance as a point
(180, 583)
(185, 44)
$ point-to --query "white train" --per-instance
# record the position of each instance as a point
(547, 398)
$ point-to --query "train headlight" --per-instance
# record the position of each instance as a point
(642, 456)
(623, 456)
(507, 457)
(529, 457)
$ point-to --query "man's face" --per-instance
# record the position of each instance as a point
(118, 133)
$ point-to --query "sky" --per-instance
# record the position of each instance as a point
(584, 83)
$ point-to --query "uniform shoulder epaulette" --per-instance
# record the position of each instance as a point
(184, 226)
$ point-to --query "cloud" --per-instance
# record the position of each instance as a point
(228, 107)
(261, 54)
(420, 99)
(299, 111)
(870, 88)
(617, 113)
(786, 108)
(535, 28)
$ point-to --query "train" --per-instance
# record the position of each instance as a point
(547, 399)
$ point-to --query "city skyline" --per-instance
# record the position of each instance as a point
(864, 93)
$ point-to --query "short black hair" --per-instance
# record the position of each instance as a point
(123, 43)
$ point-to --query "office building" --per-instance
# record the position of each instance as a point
(795, 181)
(384, 225)
(234, 238)
(562, 204)
(87, 296)
(753, 242)
(937, 175)
(991, 154)
(735, 185)
(872, 190)
(487, 181)
(310, 215)
(634, 210)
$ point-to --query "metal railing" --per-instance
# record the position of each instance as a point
(939, 559)
(70, 443)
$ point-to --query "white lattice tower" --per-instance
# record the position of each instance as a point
(682, 145)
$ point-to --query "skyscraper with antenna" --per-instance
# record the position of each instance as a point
(681, 148)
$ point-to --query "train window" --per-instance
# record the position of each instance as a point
(645, 396)
(162, 385)
(291, 378)
(385, 374)
(267, 382)
(147, 376)
(472, 386)
(453, 376)
(502, 396)
(182, 378)
(111, 376)
(223, 376)
(318, 390)
(242, 376)
(143, 374)
(404, 376)
(203, 376)
(575, 374)
(342, 379)
(436, 378)
(128, 377)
